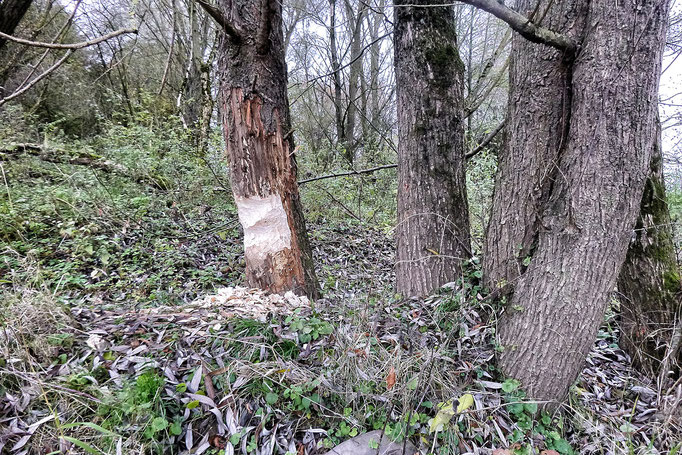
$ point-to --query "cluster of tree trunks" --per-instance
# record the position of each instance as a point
(581, 140)
(579, 204)
(569, 222)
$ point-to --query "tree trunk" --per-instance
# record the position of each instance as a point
(336, 69)
(11, 13)
(590, 201)
(355, 68)
(190, 98)
(375, 49)
(649, 281)
(433, 214)
(537, 119)
(253, 96)
(206, 106)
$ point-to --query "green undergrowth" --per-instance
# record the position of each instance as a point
(161, 230)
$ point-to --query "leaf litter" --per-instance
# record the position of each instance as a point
(383, 353)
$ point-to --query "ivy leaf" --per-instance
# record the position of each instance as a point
(510, 385)
(562, 446)
(175, 429)
(159, 424)
(271, 398)
(532, 408)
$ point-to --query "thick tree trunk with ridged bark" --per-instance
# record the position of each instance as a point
(433, 215)
(587, 199)
(537, 120)
(649, 285)
(260, 149)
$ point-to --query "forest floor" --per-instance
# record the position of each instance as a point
(123, 329)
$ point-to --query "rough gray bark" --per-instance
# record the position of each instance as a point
(255, 109)
(649, 282)
(433, 215)
(537, 120)
(586, 214)
(11, 13)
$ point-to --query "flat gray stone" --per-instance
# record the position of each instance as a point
(359, 445)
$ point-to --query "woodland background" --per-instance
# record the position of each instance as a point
(115, 205)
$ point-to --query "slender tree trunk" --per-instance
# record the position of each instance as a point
(354, 70)
(190, 96)
(587, 208)
(649, 281)
(253, 96)
(433, 215)
(336, 68)
(377, 19)
(206, 105)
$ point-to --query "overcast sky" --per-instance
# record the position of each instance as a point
(671, 97)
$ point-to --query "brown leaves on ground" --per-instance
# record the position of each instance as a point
(390, 379)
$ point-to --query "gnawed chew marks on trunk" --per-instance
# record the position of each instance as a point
(262, 161)
(260, 149)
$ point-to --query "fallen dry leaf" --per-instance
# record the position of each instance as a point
(217, 441)
(390, 379)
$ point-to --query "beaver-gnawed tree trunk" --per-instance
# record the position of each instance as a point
(433, 215)
(585, 200)
(649, 282)
(255, 109)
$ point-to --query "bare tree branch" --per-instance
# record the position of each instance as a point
(345, 174)
(72, 46)
(486, 140)
(228, 27)
(31, 84)
(469, 155)
(525, 27)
